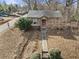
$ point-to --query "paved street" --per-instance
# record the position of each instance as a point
(9, 24)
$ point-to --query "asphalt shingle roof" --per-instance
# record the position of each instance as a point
(46, 13)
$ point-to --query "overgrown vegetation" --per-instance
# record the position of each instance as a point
(23, 23)
(55, 54)
(76, 17)
(35, 56)
(7, 9)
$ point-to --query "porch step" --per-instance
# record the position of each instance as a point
(45, 55)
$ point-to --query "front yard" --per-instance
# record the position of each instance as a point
(69, 46)
(10, 40)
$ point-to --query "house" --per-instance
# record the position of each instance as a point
(43, 18)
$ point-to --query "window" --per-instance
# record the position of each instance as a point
(35, 22)
(43, 22)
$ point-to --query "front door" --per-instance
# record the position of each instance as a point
(44, 23)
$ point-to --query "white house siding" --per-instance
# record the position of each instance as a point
(51, 23)
(35, 22)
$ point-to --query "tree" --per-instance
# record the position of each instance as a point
(55, 54)
(68, 8)
(69, 3)
(48, 2)
(1, 8)
(35, 5)
(51, 3)
(23, 24)
(7, 9)
(28, 2)
(35, 55)
(32, 4)
(77, 11)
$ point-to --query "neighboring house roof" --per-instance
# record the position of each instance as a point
(46, 13)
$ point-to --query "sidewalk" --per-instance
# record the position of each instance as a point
(44, 43)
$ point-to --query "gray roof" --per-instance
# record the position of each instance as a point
(46, 13)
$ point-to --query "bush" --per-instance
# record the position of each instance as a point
(35, 56)
(55, 54)
(23, 23)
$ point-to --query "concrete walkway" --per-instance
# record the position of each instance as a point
(44, 43)
(44, 40)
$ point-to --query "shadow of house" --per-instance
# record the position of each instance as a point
(66, 33)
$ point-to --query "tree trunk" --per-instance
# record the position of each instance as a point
(77, 11)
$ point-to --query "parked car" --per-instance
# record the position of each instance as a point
(1, 19)
(3, 14)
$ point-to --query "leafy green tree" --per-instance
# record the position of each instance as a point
(1, 8)
(12, 8)
(6, 9)
(35, 55)
(55, 54)
(69, 2)
(23, 23)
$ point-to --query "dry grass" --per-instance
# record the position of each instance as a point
(10, 40)
(8, 43)
(68, 46)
